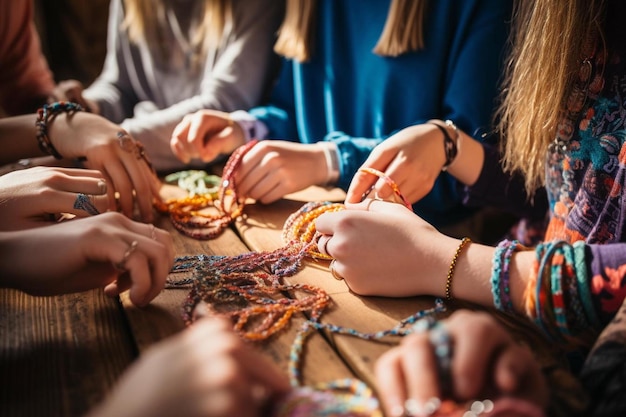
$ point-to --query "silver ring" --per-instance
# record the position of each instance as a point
(121, 265)
(332, 271)
(152, 231)
(83, 202)
(322, 248)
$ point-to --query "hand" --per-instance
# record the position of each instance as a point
(413, 158)
(206, 134)
(94, 252)
(72, 90)
(205, 371)
(33, 197)
(383, 248)
(109, 149)
(486, 364)
(274, 168)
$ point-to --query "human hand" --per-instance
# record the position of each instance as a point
(413, 158)
(72, 90)
(112, 151)
(486, 363)
(204, 371)
(107, 251)
(383, 248)
(274, 168)
(206, 134)
(32, 197)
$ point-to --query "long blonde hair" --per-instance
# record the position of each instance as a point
(547, 40)
(142, 23)
(403, 31)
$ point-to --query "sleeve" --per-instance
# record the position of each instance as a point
(607, 270)
(25, 79)
(604, 377)
(238, 79)
(513, 199)
(112, 90)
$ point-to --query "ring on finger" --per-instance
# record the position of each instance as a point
(152, 231)
(322, 248)
(333, 271)
(83, 202)
(121, 265)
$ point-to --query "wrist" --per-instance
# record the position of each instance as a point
(450, 140)
(331, 159)
(250, 126)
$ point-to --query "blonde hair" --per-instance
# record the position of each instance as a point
(548, 40)
(143, 16)
(403, 30)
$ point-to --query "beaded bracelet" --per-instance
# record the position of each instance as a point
(448, 290)
(45, 115)
(500, 274)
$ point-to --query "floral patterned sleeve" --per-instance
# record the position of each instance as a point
(607, 268)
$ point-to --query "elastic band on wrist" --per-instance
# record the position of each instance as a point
(459, 249)
(332, 164)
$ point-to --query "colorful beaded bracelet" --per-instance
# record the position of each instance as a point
(45, 115)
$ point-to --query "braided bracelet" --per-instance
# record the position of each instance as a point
(45, 115)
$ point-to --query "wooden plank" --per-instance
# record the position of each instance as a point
(59, 355)
(162, 317)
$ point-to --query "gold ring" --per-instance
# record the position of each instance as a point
(335, 273)
(121, 265)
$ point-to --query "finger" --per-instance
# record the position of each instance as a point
(121, 184)
(390, 381)
(362, 181)
(511, 368)
(420, 369)
(322, 244)
(83, 205)
(473, 361)
(263, 371)
(201, 132)
(377, 205)
(178, 142)
(142, 184)
(212, 147)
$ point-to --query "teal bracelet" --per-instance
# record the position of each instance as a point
(582, 279)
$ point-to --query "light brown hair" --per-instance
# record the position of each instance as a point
(546, 53)
(142, 23)
(403, 31)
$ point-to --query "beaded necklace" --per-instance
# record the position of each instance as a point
(205, 216)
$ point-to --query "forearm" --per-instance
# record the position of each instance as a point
(18, 138)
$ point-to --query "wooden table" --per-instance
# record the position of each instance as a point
(60, 355)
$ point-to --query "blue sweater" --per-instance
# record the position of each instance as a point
(355, 98)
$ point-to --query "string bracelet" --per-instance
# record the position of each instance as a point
(449, 144)
(206, 214)
(500, 288)
(45, 115)
(459, 249)
(559, 299)
(391, 183)
(582, 282)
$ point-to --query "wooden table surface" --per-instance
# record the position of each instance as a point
(60, 355)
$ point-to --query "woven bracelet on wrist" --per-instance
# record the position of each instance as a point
(448, 291)
(45, 115)
(449, 144)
